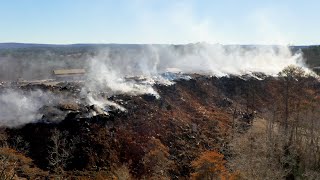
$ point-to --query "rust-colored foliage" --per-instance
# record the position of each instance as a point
(14, 164)
(156, 161)
(211, 165)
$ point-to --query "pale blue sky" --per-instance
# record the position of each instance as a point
(160, 21)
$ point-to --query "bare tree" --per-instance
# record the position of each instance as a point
(60, 150)
(7, 168)
(252, 157)
(19, 144)
(122, 173)
(291, 77)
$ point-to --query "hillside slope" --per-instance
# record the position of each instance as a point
(191, 117)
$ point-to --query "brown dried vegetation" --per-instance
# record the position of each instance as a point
(190, 131)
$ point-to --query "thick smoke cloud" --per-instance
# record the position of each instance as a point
(216, 60)
(222, 60)
(19, 108)
(134, 71)
(109, 69)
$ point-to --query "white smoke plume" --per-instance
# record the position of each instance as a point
(110, 69)
(216, 59)
(18, 108)
(110, 78)
(134, 71)
(222, 60)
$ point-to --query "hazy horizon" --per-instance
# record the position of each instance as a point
(111, 43)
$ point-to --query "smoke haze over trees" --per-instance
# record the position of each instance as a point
(160, 111)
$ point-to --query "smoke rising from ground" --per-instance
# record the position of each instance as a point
(216, 60)
(19, 108)
(134, 70)
(109, 70)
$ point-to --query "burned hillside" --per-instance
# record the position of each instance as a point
(75, 139)
(161, 112)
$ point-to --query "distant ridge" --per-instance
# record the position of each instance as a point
(14, 45)
(34, 45)
(23, 45)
